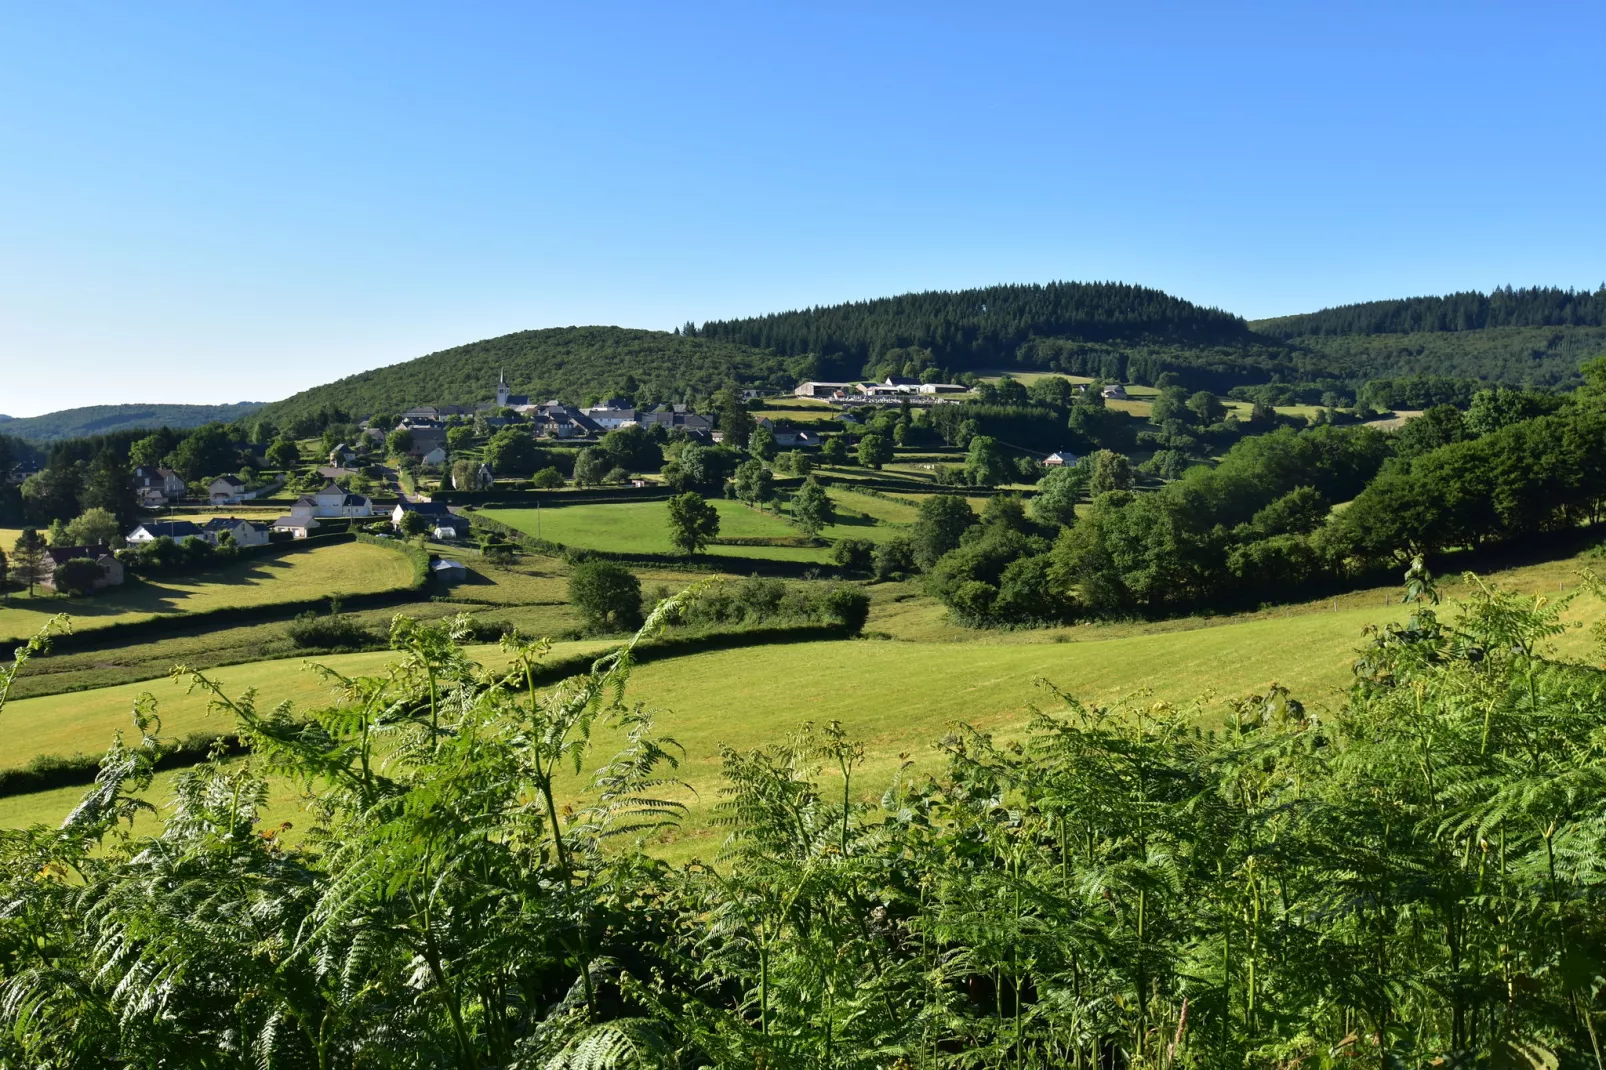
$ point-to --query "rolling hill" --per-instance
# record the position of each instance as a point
(1534, 337)
(570, 362)
(106, 419)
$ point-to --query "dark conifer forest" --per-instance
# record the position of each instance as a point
(1532, 307)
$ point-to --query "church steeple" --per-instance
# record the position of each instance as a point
(502, 391)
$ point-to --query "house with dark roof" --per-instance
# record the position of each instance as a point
(177, 530)
(226, 490)
(295, 525)
(155, 487)
(242, 532)
(429, 510)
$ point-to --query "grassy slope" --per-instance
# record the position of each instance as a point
(899, 696)
(348, 568)
(643, 528)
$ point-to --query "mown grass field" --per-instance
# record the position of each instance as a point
(86, 721)
(347, 568)
(643, 528)
(899, 695)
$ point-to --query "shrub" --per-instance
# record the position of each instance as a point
(607, 596)
(857, 555)
(336, 631)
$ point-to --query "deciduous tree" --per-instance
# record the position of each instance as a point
(812, 507)
(607, 596)
(692, 522)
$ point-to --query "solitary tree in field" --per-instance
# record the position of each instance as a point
(812, 508)
(28, 558)
(874, 450)
(834, 450)
(607, 596)
(692, 522)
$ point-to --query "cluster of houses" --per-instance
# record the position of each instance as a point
(894, 388)
(155, 488)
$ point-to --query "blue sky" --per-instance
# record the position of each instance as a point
(219, 202)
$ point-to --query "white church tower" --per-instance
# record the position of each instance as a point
(502, 391)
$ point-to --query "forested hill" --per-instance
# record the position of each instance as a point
(106, 419)
(567, 362)
(984, 328)
(1534, 337)
(1472, 311)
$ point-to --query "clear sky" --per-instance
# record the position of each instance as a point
(216, 202)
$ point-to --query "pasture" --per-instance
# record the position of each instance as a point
(346, 568)
(643, 528)
(899, 694)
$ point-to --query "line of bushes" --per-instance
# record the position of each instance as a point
(767, 540)
(912, 486)
(47, 772)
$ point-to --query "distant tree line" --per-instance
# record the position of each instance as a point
(1538, 306)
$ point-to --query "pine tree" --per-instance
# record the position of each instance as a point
(28, 559)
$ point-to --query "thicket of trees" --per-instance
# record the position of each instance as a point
(1259, 525)
(1413, 878)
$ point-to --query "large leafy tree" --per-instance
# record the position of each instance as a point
(812, 507)
(607, 595)
(204, 452)
(512, 452)
(754, 483)
(692, 522)
(942, 521)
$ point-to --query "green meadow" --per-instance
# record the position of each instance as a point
(900, 693)
(643, 528)
(346, 568)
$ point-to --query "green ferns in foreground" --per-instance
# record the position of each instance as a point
(1415, 878)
